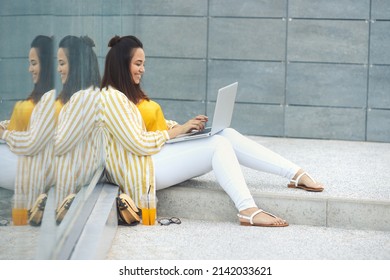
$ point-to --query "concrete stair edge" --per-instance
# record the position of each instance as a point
(322, 210)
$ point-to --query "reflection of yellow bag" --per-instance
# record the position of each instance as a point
(64, 207)
(36, 212)
(127, 209)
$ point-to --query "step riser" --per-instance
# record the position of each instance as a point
(214, 205)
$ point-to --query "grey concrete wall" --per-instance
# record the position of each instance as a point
(306, 68)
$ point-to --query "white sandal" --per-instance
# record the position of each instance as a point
(251, 223)
(294, 184)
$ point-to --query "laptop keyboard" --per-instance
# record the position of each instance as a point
(206, 130)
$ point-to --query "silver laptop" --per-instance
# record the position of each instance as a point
(222, 115)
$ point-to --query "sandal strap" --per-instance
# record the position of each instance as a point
(253, 215)
(296, 181)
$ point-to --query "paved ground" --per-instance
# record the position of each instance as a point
(197, 240)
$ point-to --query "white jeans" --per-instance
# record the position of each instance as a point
(8, 166)
(223, 153)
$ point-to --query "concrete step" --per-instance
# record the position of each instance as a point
(355, 175)
(323, 210)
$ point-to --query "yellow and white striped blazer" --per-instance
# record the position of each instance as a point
(128, 146)
(78, 148)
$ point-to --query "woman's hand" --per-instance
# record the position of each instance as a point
(198, 123)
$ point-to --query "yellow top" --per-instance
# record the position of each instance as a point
(152, 115)
(21, 114)
(57, 108)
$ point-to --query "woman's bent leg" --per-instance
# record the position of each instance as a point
(8, 165)
(256, 156)
(179, 162)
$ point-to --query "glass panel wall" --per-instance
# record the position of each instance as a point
(51, 59)
(27, 115)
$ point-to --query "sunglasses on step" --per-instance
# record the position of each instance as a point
(167, 222)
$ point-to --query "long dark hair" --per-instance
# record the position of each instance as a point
(83, 69)
(44, 48)
(116, 69)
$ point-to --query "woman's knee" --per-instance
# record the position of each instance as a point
(220, 142)
(229, 132)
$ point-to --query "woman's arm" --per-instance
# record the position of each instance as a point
(171, 124)
(76, 120)
(125, 122)
(4, 124)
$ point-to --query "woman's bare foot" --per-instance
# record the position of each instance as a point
(304, 181)
(257, 217)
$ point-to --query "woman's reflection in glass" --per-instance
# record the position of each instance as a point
(26, 160)
(76, 138)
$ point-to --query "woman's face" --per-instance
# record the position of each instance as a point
(137, 65)
(63, 65)
(34, 67)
